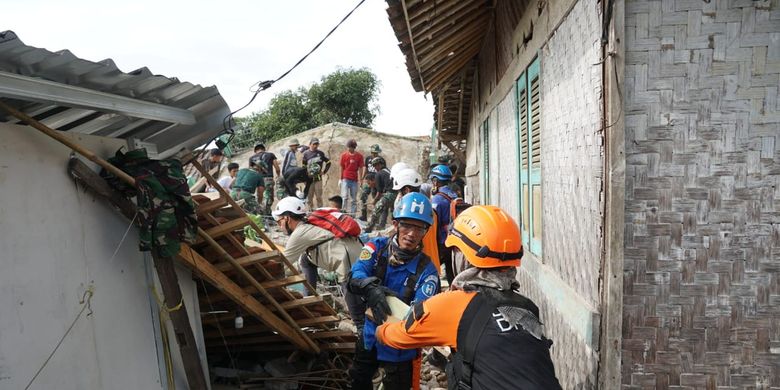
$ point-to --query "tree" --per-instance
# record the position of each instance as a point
(347, 96)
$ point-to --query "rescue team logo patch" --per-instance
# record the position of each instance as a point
(367, 252)
(430, 285)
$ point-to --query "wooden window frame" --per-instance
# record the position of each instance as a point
(529, 206)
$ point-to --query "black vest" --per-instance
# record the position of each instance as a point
(503, 357)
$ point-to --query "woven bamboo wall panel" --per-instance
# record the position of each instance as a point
(507, 174)
(573, 151)
(702, 233)
(575, 362)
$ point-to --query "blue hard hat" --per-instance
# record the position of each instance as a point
(414, 205)
(441, 172)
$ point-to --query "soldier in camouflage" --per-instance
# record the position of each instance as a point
(248, 186)
(385, 195)
(365, 189)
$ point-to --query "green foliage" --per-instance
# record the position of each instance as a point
(249, 231)
(346, 96)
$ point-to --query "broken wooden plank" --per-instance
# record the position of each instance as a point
(180, 320)
(210, 206)
(228, 287)
(302, 302)
(283, 282)
(250, 260)
(225, 228)
(318, 320)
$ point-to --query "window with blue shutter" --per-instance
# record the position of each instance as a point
(529, 153)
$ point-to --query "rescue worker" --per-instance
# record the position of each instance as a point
(385, 196)
(303, 175)
(316, 247)
(290, 157)
(268, 164)
(398, 167)
(443, 195)
(365, 189)
(247, 187)
(316, 156)
(351, 162)
(394, 265)
(496, 332)
(407, 181)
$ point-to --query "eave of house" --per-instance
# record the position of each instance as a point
(71, 94)
(441, 41)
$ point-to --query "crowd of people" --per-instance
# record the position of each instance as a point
(495, 333)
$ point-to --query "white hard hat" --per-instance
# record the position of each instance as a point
(289, 204)
(398, 167)
(406, 177)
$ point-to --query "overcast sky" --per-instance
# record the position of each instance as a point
(232, 44)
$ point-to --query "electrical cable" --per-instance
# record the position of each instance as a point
(256, 88)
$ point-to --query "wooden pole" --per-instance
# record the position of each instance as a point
(166, 272)
(69, 143)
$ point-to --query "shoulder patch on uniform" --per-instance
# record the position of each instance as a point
(367, 252)
(430, 285)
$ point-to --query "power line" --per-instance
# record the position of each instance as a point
(263, 85)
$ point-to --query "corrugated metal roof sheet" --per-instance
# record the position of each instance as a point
(205, 103)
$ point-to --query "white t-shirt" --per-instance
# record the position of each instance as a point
(224, 181)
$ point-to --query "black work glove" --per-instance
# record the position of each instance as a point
(376, 299)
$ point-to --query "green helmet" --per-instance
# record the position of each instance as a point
(375, 148)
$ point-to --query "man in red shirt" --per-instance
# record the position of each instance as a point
(351, 169)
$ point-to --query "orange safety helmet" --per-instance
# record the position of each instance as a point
(487, 236)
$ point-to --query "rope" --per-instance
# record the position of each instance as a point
(161, 303)
(132, 221)
(86, 303)
(164, 314)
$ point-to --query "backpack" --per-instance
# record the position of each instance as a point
(332, 220)
(457, 205)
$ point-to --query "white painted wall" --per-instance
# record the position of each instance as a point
(55, 241)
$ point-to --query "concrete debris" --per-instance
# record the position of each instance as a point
(279, 368)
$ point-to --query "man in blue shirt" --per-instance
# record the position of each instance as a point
(395, 266)
(443, 195)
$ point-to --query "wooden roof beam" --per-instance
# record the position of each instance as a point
(441, 46)
(209, 272)
(465, 14)
(446, 74)
(411, 40)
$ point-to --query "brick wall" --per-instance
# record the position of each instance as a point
(702, 234)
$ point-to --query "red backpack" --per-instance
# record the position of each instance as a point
(334, 221)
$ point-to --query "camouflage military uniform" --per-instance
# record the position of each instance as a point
(244, 188)
(166, 214)
(268, 194)
(250, 201)
(365, 191)
(379, 215)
